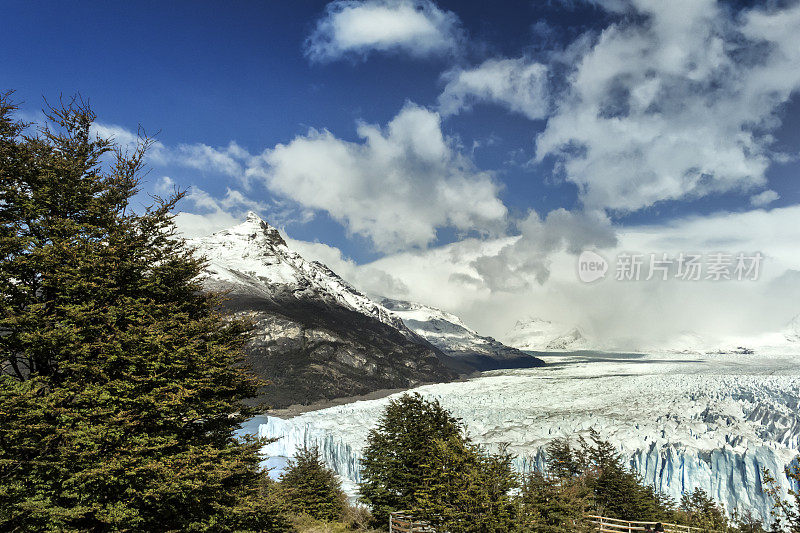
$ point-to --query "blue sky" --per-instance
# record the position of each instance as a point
(384, 127)
(200, 73)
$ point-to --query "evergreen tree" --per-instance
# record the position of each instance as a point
(746, 522)
(276, 515)
(562, 461)
(309, 487)
(121, 383)
(398, 451)
(785, 512)
(703, 512)
(467, 490)
(618, 492)
(555, 505)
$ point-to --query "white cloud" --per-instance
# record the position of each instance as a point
(517, 84)
(164, 185)
(626, 313)
(396, 187)
(355, 28)
(763, 199)
(229, 160)
(208, 213)
(372, 281)
(128, 140)
(529, 256)
(678, 101)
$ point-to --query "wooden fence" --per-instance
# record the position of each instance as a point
(404, 522)
(612, 525)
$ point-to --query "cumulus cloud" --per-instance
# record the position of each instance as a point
(763, 199)
(618, 314)
(356, 28)
(517, 84)
(529, 257)
(396, 187)
(228, 160)
(373, 281)
(676, 101)
(202, 213)
(231, 160)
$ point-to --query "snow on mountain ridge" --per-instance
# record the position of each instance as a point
(536, 334)
(253, 256)
(448, 333)
(792, 330)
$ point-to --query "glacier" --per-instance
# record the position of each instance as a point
(682, 421)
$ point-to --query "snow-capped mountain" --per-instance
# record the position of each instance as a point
(315, 336)
(792, 330)
(448, 333)
(535, 334)
(253, 257)
(782, 341)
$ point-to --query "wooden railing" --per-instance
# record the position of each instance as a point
(404, 522)
(612, 525)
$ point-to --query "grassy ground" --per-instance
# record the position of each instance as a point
(306, 524)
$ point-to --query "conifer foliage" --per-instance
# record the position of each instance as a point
(395, 461)
(786, 512)
(467, 489)
(419, 458)
(121, 384)
(309, 487)
(703, 512)
(594, 469)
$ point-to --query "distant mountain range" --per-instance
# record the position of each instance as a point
(316, 337)
(535, 334)
(538, 335)
(448, 333)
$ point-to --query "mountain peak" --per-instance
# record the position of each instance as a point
(253, 218)
(254, 227)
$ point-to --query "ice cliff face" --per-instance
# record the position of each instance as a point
(448, 333)
(682, 422)
(315, 336)
(535, 334)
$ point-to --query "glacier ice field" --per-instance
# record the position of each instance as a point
(681, 420)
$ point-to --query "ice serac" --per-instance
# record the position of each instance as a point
(448, 333)
(316, 337)
(681, 421)
(536, 334)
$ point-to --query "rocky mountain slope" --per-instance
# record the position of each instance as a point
(448, 333)
(316, 337)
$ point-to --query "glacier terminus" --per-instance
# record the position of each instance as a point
(681, 420)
